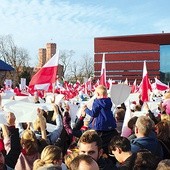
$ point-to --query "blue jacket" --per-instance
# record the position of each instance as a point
(151, 143)
(102, 116)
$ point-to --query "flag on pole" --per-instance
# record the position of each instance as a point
(103, 72)
(134, 87)
(46, 76)
(160, 86)
(145, 86)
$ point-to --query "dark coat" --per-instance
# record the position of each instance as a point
(150, 143)
(106, 164)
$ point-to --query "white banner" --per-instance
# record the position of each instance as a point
(25, 112)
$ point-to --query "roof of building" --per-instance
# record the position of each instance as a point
(161, 38)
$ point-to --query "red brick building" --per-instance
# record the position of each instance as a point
(124, 55)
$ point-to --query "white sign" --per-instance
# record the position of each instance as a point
(119, 93)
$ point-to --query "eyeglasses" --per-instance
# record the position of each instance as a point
(112, 155)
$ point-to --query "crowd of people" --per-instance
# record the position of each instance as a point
(94, 145)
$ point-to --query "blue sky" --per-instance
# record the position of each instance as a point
(73, 24)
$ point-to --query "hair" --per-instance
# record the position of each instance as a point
(29, 142)
(69, 157)
(49, 154)
(50, 167)
(91, 136)
(101, 90)
(120, 142)
(138, 107)
(11, 117)
(74, 165)
(144, 125)
(164, 164)
(163, 130)
(120, 114)
(131, 123)
(145, 160)
(165, 116)
(36, 124)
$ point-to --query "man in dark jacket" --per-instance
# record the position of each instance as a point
(90, 143)
(120, 148)
(145, 137)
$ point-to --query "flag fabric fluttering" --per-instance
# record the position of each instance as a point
(134, 87)
(160, 86)
(145, 86)
(103, 72)
(46, 76)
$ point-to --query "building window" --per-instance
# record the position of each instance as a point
(165, 63)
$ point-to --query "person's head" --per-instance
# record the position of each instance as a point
(164, 165)
(82, 162)
(119, 146)
(131, 123)
(90, 143)
(138, 107)
(120, 114)
(163, 130)
(50, 155)
(101, 91)
(165, 117)
(29, 142)
(50, 167)
(69, 157)
(2, 161)
(143, 126)
(11, 118)
(145, 160)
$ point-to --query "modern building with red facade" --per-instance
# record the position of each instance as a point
(125, 55)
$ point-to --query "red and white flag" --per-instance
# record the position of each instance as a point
(103, 72)
(133, 87)
(160, 86)
(46, 76)
(145, 86)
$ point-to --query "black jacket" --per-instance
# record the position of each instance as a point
(128, 164)
(106, 164)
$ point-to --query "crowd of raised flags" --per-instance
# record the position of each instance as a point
(41, 84)
(45, 81)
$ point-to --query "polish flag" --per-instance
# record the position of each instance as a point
(145, 86)
(46, 76)
(134, 87)
(103, 72)
(160, 86)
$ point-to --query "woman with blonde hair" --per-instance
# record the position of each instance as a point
(69, 157)
(29, 151)
(50, 156)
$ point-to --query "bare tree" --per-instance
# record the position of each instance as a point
(87, 67)
(15, 56)
(65, 58)
(75, 73)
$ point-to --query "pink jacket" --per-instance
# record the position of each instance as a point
(166, 105)
(25, 162)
